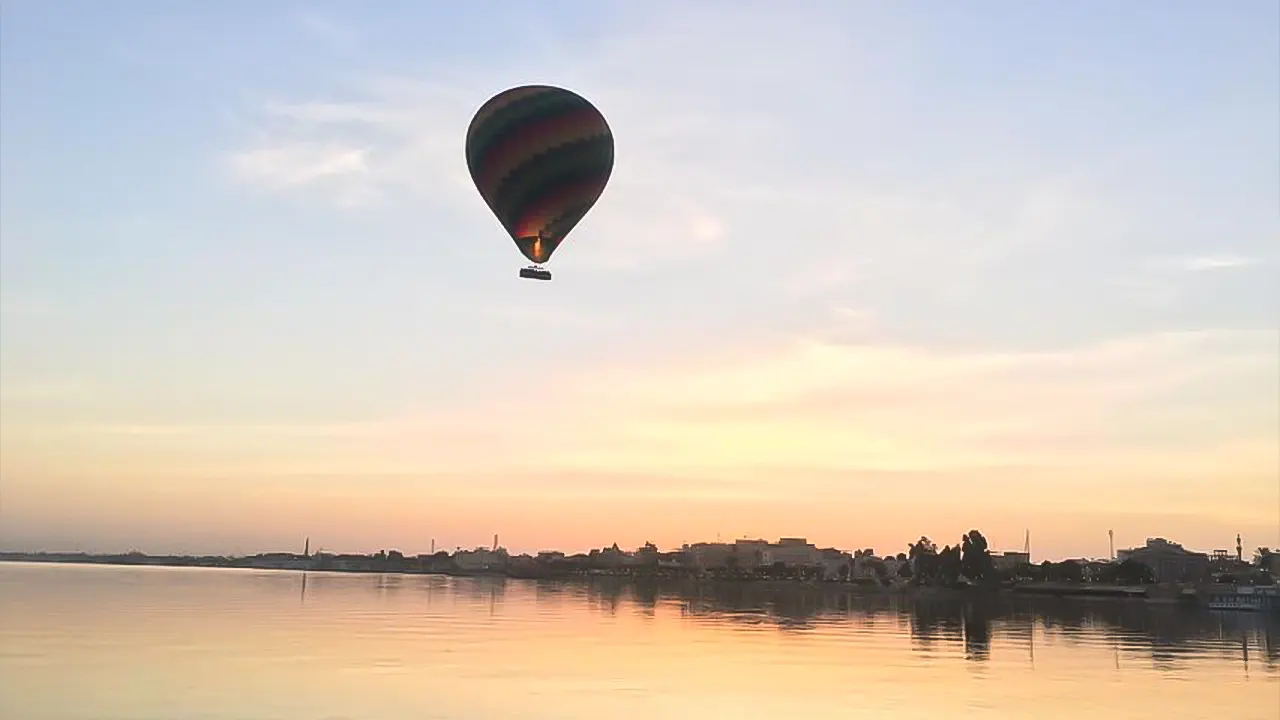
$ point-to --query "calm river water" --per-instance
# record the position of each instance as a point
(111, 643)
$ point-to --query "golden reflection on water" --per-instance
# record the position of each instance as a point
(80, 642)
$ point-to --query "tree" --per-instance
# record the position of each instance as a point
(1067, 570)
(923, 546)
(923, 555)
(949, 565)
(1132, 572)
(927, 568)
(1029, 571)
(976, 562)
(1261, 554)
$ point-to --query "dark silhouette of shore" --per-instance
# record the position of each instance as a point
(794, 585)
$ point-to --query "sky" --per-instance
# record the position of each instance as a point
(864, 271)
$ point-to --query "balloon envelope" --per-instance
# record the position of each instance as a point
(540, 157)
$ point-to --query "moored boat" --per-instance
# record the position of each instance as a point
(1245, 598)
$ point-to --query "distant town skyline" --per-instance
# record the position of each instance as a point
(864, 271)
(1240, 550)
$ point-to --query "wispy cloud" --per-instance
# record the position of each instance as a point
(540, 313)
(338, 36)
(40, 389)
(680, 148)
(344, 169)
(272, 431)
(1216, 262)
(902, 408)
(1141, 407)
(823, 277)
(404, 136)
(26, 305)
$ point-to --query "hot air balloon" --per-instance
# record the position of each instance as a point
(540, 157)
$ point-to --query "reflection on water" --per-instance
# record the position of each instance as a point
(153, 643)
(1169, 636)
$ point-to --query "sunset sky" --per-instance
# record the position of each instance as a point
(864, 271)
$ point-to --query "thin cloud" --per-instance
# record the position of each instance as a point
(26, 305)
(404, 136)
(338, 36)
(344, 169)
(1216, 262)
(850, 325)
(894, 408)
(539, 314)
(41, 389)
(699, 173)
(1160, 282)
(308, 430)
(822, 278)
(682, 146)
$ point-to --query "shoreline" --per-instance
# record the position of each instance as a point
(1145, 594)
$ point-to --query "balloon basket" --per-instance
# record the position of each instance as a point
(535, 273)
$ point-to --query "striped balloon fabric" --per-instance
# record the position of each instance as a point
(540, 157)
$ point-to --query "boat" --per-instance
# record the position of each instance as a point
(1246, 598)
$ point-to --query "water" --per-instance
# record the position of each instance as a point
(111, 643)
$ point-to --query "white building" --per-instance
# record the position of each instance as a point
(832, 562)
(709, 556)
(750, 553)
(793, 552)
(864, 567)
(480, 559)
(894, 566)
(1012, 560)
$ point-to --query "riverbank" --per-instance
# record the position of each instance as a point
(687, 581)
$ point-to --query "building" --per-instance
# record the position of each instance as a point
(1270, 562)
(836, 563)
(480, 559)
(709, 556)
(750, 553)
(793, 552)
(867, 566)
(345, 561)
(646, 554)
(280, 561)
(1010, 561)
(610, 557)
(1169, 561)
